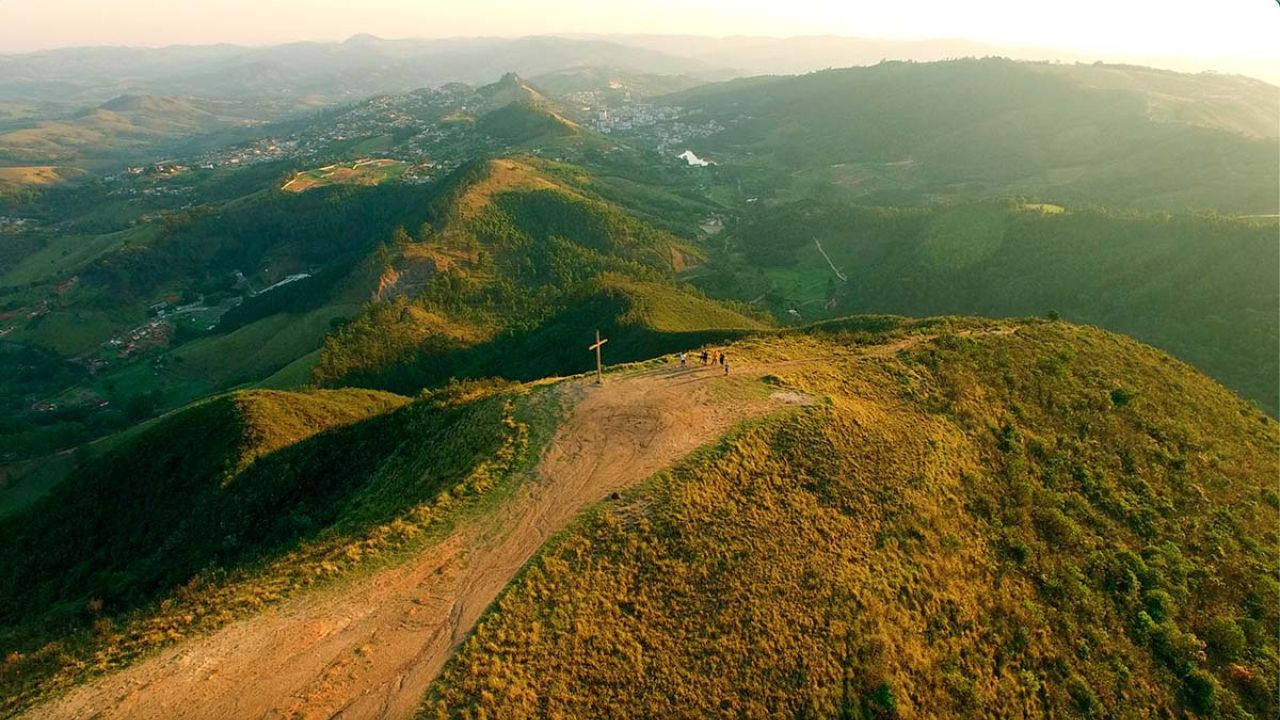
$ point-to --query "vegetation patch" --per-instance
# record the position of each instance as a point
(370, 171)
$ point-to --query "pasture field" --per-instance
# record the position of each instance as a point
(362, 172)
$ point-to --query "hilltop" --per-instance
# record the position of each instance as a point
(917, 516)
(1040, 520)
(519, 262)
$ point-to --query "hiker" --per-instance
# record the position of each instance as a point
(682, 358)
(725, 363)
(704, 358)
(721, 358)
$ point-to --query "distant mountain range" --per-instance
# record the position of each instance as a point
(308, 73)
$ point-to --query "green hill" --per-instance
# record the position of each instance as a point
(960, 518)
(180, 500)
(513, 283)
(510, 89)
(234, 503)
(125, 127)
(524, 121)
(967, 129)
(1055, 522)
(1202, 287)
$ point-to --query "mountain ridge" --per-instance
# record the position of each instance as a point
(886, 419)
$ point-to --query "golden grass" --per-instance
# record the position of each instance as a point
(362, 172)
(941, 540)
(34, 175)
(504, 176)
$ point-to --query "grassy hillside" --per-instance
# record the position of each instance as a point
(1039, 520)
(1056, 522)
(235, 503)
(33, 175)
(513, 282)
(176, 505)
(522, 121)
(915, 132)
(123, 127)
(1201, 287)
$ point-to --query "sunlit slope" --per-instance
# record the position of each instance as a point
(1053, 521)
(513, 280)
(231, 505)
(120, 127)
(168, 502)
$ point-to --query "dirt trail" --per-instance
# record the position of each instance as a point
(370, 648)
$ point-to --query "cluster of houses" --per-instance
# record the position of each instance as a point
(14, 224)
(632, 116)
(155, 333)
(258, 151)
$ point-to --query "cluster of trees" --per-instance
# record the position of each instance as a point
(317, 228)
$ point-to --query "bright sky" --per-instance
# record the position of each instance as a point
(1188, 28)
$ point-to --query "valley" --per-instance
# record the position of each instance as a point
(298, 416)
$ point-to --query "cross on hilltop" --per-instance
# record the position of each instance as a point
(599, 366)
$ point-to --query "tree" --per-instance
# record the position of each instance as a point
(400, 237)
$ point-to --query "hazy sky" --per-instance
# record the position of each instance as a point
(1196, 28)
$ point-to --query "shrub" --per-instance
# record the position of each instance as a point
(1121, 397)
(1199, 689)
(1224, 639)
(1159, 604)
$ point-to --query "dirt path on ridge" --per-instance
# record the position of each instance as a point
(370, 648)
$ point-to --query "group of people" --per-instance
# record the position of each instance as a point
(706, 359)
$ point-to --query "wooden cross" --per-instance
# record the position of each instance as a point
(599, 365)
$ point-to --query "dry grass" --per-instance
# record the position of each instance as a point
(33, 175)
(363, 172)
(947, 537)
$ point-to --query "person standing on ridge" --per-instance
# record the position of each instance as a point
(704, 358)
(682, 358)
(725, 362)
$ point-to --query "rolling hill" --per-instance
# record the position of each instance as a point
(886, 518)
(341, 452)
(298, 75)
(1199, 286)
(907, 133)
(518, 268)
(126, 127)
(396, 286)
